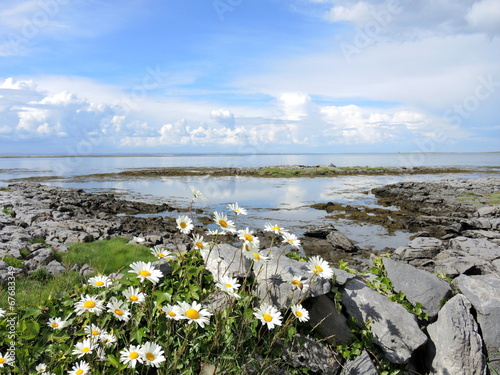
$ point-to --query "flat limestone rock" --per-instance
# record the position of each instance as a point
(395, 330)
(480, 247)
(455, 345)
(362, 365)
(483, 291)
(418, 285)
(327, 320)
(271, 278)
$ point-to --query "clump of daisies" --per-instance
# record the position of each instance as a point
(145, 318)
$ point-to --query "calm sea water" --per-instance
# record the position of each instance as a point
(282, 200)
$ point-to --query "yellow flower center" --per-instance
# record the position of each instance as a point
(118, 312)
(249, 237)
(133, 355)
(79, 372)
(55, 325)
(134, 298)
(2, 360)
(145, 273)
(256, 256)
(89, 304)
(199, 245)
(297, 283)
(95, 332)
(150, 356)
(183, 225)
(172, 314)
(267, 317)
(161, 255)
(247, 248)
(318, 269)
(192, 314)
(229, 285)
(299, 314)
(85, 350)
(223, 223)
(276, 228)
(99, 283)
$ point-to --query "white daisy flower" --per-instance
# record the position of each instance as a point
(237, 209)
(268, 315)
(6, 360)
(257, 256)
(300, 313)
(41, 368)
(200, 244)
(291, 239)
(89, 304)
(184, 224)
(108, 339)
(81, 368)
(57, 323)
(320, 267)
(131, 355)
(229, 285)
(139, 240)
(152, 354)
(246, 235)
(215, 232)
(134, 295)
(268, 227)
(300, 282)
(100, 281)
(249, 248)
(118, 309)
(83, 347)
(222, 221)
(101, 354)
(172, 312)
(94, 332)
(197, 194)
(194, 313)
(162, 253)
(146, 271)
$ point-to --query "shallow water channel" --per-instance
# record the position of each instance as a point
(285, 201)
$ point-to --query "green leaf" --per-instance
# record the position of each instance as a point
(29, 329)
(113, 361)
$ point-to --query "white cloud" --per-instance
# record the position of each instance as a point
(11, 84)
(485, 16)
(223, 117)
(407, 19)
(357, 13)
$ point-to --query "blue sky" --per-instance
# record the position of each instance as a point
(246, 76)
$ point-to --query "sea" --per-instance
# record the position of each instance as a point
(285, 201)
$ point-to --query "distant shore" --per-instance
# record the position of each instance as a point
(269, 172)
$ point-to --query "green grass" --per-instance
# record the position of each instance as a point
(13, 262)
(36, 290)
(106, 256)
(494, 198)
(7, 211)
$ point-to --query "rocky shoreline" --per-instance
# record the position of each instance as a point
(458, 225)
(282, 171)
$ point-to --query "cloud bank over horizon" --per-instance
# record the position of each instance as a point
(305, 76)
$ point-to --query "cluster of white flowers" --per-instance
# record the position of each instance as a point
(191, 312)
(150, 353)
